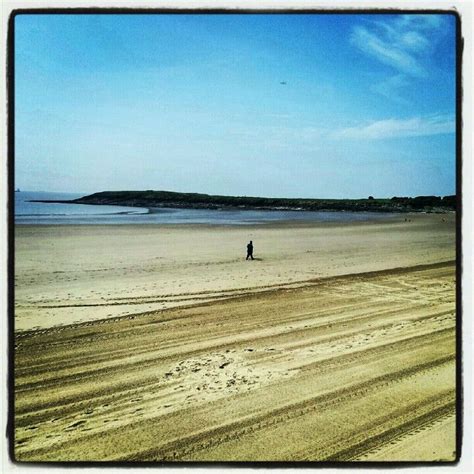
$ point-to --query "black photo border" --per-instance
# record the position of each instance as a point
(10, 432)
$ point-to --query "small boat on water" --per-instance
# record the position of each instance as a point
(17, 190)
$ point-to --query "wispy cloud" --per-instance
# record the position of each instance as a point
(400, 128)
(420, 21)
(312, 138)
(397, 57)
(404, 44)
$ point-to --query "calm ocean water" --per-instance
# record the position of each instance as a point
(49, 213)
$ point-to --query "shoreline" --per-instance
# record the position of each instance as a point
(394, 217)
(204, 207)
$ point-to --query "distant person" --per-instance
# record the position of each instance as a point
(249, 250)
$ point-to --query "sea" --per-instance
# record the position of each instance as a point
(34, 213)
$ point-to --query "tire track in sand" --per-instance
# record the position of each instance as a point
(248, 378)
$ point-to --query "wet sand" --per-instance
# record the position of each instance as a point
(160, 343)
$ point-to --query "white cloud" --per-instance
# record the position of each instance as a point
(398, 128)
(386, 52)
(419, 21)
(414, 41)
(404, 44)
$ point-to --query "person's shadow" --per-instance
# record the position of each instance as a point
(258, 259)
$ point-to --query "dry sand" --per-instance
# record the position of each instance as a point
(71, 274)
(163, 343)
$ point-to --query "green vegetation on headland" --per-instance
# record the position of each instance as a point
(157, 199)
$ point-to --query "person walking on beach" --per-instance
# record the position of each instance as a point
(249, 250)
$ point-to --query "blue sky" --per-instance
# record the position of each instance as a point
(195, 103)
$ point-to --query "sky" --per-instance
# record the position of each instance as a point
(310, 106)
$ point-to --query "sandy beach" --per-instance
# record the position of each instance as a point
(149, 343)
